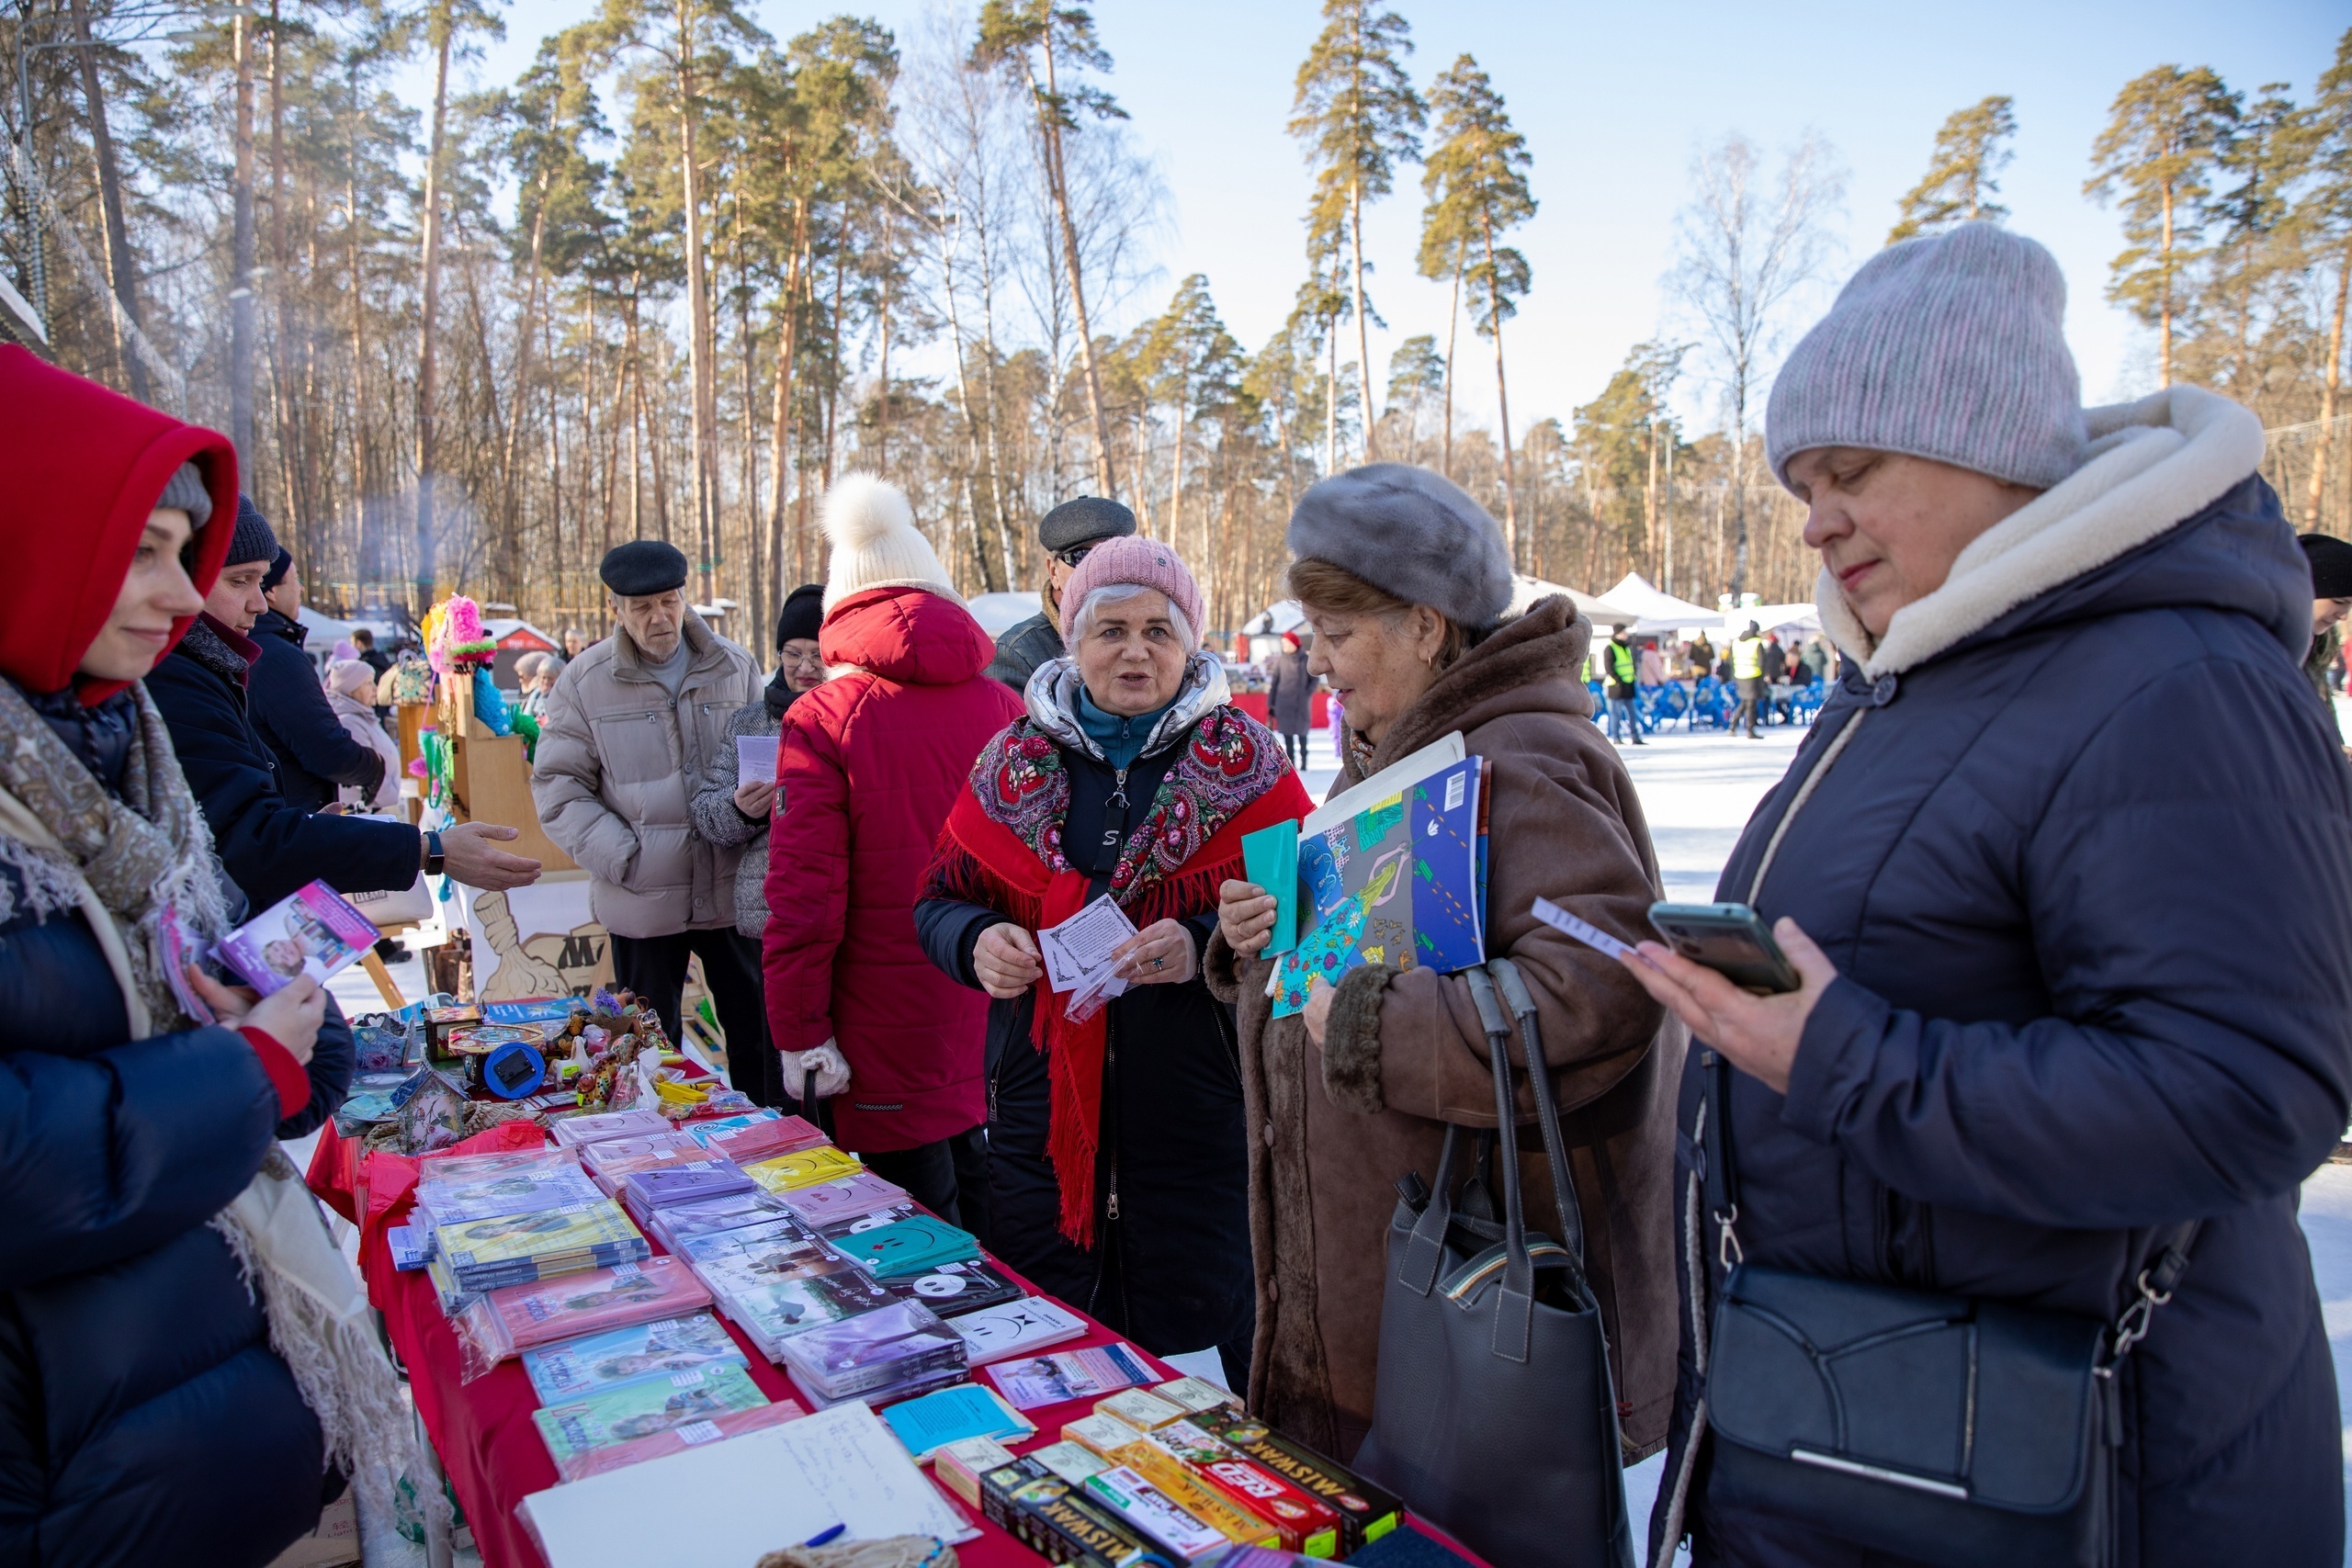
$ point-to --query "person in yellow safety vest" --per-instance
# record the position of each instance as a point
(1617, 668)
(1747, 670)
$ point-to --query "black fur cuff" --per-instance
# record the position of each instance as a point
(1352, 1041)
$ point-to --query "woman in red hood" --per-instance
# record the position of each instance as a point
(867, 767)
(143, 1414)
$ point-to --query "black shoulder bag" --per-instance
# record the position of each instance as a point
(1940, 1428)
(1493, 1414)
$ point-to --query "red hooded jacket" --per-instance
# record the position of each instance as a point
(86, 467)
(867, 768)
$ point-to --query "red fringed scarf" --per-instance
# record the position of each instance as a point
(1003, 849)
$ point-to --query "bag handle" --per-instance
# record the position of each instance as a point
(1515, 1306)
(1515, 994)
(1424, 1256)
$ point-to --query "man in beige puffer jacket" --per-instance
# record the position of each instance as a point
(627, 734)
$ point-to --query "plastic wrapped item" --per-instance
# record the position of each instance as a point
(596, 1127)
(631, 1411)
(684, 1181)
(458, 1168)
(682, 1222)
(805, 1168)
(613, 1159)
(852, 1197)
(573, 1368)
(506, 1323)
(734, 1424)
(484, 1254)
(703, 1129)
(778, 1280)
(890, 1345)
(529, 1189)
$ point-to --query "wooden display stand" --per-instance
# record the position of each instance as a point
(489, 778)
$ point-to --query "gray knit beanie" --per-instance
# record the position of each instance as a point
(185, 490)
(253, 541)
(1952, 347)
(1409, 532)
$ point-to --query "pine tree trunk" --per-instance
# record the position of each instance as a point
(1452, 324)
(120, 272)
(1331, 402)
(509, 524)
(427, 363)
(703, 414)
(2163, 303)
(1364, 329)
(1057, 177)
(1502, 404)
(241, 277)
(2328, 394)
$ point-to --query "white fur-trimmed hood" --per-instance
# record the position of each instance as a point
(2153, 464)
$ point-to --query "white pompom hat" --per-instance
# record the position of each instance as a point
(876, 544)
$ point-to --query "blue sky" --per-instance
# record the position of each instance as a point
(1614, 101)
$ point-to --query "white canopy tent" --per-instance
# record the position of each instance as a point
(1658, 613)
(1525, 591)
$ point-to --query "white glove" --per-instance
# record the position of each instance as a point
(826, 1061)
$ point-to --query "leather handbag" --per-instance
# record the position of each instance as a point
(1494, 1414)
(1936, 1427)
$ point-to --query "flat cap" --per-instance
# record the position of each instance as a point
(643, 566)
(1083, 520)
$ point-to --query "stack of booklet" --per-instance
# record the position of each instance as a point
(779, 1280)
(483, 1254)
(888, 1353)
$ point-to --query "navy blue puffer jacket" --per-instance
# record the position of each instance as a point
(143, 1416)
(2086, 872)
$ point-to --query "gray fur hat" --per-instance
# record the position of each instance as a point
(185, 490)
(1409, 532)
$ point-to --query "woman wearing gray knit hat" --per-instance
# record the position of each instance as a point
(1406, 579)
(2024, 1145)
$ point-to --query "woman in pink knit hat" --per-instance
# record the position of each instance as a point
(1118, 1163)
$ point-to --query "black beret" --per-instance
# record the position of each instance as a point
(643, 566)
(2331, 561)
(804, 612)
(1083, 520)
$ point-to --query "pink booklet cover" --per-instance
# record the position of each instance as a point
(310, 931)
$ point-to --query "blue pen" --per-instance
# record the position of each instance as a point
(823, 1536)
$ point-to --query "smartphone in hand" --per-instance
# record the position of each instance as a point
(1730, 939)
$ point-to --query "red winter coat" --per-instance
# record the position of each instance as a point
(867, 767)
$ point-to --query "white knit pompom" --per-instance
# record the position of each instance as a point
(862, 508)
(875, 543)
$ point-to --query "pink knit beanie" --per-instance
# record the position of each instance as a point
(1145, 563)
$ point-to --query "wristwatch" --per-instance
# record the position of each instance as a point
(433, 854)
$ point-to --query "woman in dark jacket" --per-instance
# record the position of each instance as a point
(1290, 698)
(1118, 1169)
(2066, 869)
(146, 1417)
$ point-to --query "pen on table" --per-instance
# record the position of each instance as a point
(823, 1536)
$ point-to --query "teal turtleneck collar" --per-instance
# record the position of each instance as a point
(1120, 738)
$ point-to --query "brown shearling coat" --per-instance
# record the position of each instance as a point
(1404, 1055)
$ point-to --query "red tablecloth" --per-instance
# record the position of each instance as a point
(483, 1430)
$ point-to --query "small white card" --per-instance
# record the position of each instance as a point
(1078, 950)
(1585, 932)
(755, 759)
